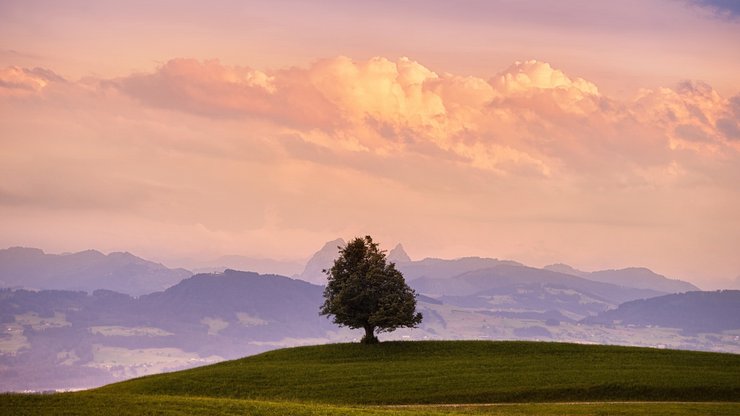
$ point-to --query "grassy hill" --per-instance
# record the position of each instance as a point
(329, 378)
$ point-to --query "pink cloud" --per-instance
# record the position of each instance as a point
(212, 89)
(16, 81)
(530, 117)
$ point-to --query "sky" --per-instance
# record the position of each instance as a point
(597, 134)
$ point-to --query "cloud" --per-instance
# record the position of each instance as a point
(728, 9)
(735, 104)
(16, 81)
(729, 128)
(530, 118)
(690, 114)
(529, 75)
(212, 89)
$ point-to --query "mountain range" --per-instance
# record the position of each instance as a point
(84, 319)
(87, 270)
(253, 264)
(637, 277)
(125, 273)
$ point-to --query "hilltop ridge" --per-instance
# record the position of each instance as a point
(455, 372)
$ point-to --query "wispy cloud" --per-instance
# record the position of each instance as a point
(728, 9)
(15, 80)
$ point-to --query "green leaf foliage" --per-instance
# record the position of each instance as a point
(364, 291)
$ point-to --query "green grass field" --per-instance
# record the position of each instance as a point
(517, 377)
(113, 404)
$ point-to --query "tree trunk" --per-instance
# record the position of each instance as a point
(369, 337)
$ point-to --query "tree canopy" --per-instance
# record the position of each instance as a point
(364, 291)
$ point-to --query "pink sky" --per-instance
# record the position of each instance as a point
(599, 134)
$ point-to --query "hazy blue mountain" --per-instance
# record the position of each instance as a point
(641, 277)
(690, 311)
(432, 268)
(323, 259)
(566, 269)
(276, 304)
(638, 277)
(398, 255)
(252, 264)
(558, 299)
(87, 270)
(511, 275)
(502, 285)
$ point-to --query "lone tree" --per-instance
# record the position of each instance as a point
(363, 291)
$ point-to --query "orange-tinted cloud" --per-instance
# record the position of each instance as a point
(212, 89)
(16, 81)
(529, 119)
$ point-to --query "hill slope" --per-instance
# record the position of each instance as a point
(456, 372)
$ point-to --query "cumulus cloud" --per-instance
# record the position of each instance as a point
(530, 117)
(523, 77)
(693, 115)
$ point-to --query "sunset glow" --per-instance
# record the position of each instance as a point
(598, 134)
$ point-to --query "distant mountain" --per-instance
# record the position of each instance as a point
(431, 268)
(252, 264)
(691, 311)
(533, 298)
(638, 277)
(514, 287)
(323, 259)
(398, 255)
(276, 306)
(87, 270)
(566, 269)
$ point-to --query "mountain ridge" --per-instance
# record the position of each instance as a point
(690, 311)
(86, 270)
(637, 277)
